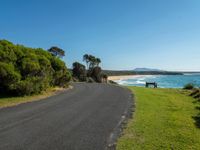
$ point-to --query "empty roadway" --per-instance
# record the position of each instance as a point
(83, 118)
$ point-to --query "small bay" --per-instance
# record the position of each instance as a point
(163, 81)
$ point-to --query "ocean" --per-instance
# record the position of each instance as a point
(164, 81)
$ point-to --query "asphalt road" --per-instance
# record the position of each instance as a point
(87, 117)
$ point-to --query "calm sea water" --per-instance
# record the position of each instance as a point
(164, 81)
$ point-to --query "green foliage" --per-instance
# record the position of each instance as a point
(189, 86)
(96, 74)
(61, 78)
(86, 59)
(57, 64)
(30, 67)
(195, 92)
(79, 71)
(91, 61)
(26, 71)
(94, 71)
(56, 51)
(8, 75)
(112, 82)
(24, 87)
(7, 53)
(105, 76)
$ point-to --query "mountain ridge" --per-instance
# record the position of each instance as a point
(147, 70)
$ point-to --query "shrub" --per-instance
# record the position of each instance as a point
(79, 71)
(8, 75)
(63, 79)
(57, 64)
(26, 71)
(30, 67)
(96, 74)
(7, 53)
(112, 82)
(189, 86)
(24, 88)
(195, 92)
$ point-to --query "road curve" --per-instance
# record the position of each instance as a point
(83, 118)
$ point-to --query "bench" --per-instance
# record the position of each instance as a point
(154, 84)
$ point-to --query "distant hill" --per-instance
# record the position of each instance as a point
(147, 70)
(141, 71)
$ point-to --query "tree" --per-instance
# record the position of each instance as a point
(8, 75)
(104, 78)
(98, 61)
(26, 71)
(86, 59)
(30, 66)
(79, 71)
(96, 74)
(92, 61)
(56, 51)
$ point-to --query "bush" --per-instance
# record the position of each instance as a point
(26, 71)
(24, 87)
(189, 86)
(96, 74)
(195, 92)
(63, 79)
(8, 75)
(112, 82)
(79, 71)
(30, 67)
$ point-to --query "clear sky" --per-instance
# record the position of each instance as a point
(125, 34)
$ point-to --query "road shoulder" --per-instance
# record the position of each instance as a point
(9, 101)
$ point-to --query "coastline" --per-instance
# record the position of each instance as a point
(124, 77)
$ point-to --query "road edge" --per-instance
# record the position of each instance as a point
(127, 115)
(54, 93)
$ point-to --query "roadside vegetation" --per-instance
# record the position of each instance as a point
(189, 86)
(26, 74)
(27, 71)
(163, 119)
(195, 93)
(91, 73)
(9, 100)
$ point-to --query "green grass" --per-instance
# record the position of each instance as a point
(7, 101)
(163, 119)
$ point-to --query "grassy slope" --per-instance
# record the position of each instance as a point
(6, 101)
(163, 120)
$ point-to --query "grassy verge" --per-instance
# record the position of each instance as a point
(163, 120)
(7, 101)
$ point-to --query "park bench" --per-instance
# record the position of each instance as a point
(154, 84)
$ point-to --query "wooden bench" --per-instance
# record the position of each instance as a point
(154, 84)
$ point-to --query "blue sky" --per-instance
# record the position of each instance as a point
(125, 34)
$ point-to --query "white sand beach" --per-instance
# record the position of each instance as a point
(123, 77)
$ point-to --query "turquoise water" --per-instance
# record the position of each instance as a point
(164, 81)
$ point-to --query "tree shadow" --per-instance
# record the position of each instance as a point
(6, 95)
(197, 107)
(197, 120)
(196, 101)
